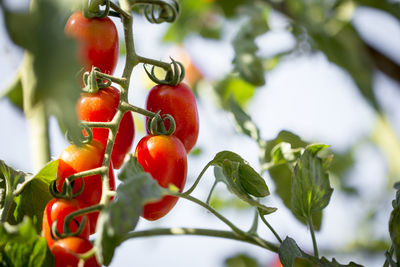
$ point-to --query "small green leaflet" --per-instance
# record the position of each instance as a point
(291, 255)
(20, 245)
(311, 189)
(241, 260)
(32, 196)
(394, 224)
(247, 63)
(240, 178)
(121, 216)
(22, 194)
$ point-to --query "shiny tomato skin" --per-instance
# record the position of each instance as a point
(75, 159)
(58, 209)
(180, 102)
(97, 40)
(164, 157)
(102, 107)
(64, 250)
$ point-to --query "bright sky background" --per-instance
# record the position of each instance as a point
(301, 95)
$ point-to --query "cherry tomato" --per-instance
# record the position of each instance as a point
(97, 41)
(77, 159)
(64, 251)
(58, 209)
(164, 157)
(102, 106)
(180, 103)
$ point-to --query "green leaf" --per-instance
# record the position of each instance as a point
(14, 93)
(241, 260)
(231, 183)
(131, 169)
(283, 136)
(9, 180)
(121, 216)
(246, 62)
(245, 177)
(20, 245)
(311, 189)
(289, 251)
(394, 225)
(291, 255)
(243, 121)
(280, 154)
(236, 88)
(50, 67)
(32, 196)
(230, 7)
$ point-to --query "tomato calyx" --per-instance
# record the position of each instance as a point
(66, 189)
(92, 84)
(92, 9)
(156, 124)
(175, 74)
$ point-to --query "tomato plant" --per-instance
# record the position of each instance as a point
(153, 178)
(180, 103)
(102, 106)
(75, 159)
(164, 157)
(65, 250)
(97, 41)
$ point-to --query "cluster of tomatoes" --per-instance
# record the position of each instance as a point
(163, 156)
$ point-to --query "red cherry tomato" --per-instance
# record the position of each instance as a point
(164, 157)
(77, 159)
(64, 251)
(58, 209)
(102, 106)
(180, 103)
(97, 41)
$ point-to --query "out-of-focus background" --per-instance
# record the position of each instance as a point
(328, 71)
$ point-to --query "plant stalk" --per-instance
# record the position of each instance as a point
(200, 232)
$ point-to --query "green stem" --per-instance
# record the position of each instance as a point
(110, 77)
(389, 254)
(68, 219)
(200, 232)
(211, 191)
(191, 189)
(100, 170)
(210, 209)
(161, 64)
(39, 131)
(254, 225)
(99, 124)
(314, 241)
(126, 106)
(271, 229)
(236, 230)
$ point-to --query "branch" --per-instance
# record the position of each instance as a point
(200, 232)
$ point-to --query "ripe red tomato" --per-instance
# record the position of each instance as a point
(164, 157)
(64, 250)
(180, 103)
(102, 106)
(77, 159)
(97, 41)
(58, 209)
